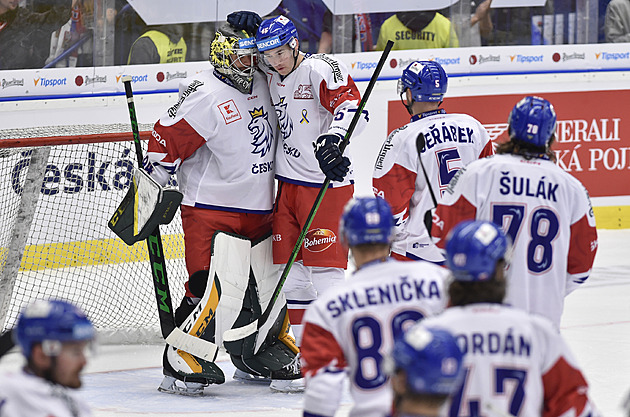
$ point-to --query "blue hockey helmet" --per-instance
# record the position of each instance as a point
(533, 121)
(367, 220)
(431, 359)
(275, 32)
(473, 249)
(427, 81)
(54, 320)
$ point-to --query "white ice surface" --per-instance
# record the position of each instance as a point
(122, 380)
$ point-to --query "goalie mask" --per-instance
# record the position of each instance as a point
(233, 54)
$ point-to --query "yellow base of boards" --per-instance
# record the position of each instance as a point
(106, 251)
(612, 217)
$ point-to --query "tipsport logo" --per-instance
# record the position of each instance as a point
(49, 82)
(612, 56)
(526, 59)
(134, 78)
(364, 65)
(403, 63)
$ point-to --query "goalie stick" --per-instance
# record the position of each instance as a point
(172, 334)
(428, 216)
(256, 324)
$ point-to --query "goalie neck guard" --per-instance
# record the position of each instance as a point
(233, 54)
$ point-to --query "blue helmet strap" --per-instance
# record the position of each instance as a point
(296, 53)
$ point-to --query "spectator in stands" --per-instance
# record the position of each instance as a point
(481, 16)
(313, 21)
(76, 30)
(53, 336)
(513, 25)
(417, 30)
(160, 44)
(470, 31)
(617, 23)
(24, 34)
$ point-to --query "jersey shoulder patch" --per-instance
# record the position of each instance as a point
(328, 68)
(193, 87)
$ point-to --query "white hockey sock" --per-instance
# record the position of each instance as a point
(296, 309)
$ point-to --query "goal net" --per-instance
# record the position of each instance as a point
(60, 185)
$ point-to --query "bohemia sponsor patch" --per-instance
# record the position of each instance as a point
(229, 111)
(318, 240)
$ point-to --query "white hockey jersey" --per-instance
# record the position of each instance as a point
(319, 96)
(26, 395)
(350, 327)
(544, 210)
(220, 142)
(516, 364)
(451, 141)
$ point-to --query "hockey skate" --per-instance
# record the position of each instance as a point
(289, 378)
(185, 374)
(246, 377)
(287, 385)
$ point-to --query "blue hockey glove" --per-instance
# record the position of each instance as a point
(332, 163)
(244, 20)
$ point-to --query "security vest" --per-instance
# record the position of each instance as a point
(437, 34)
(168, 51)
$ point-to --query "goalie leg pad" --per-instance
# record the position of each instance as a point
(188, 368)
(180, 364)
(277, 357)
(229, 265)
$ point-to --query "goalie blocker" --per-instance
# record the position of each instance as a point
(145, 206)
(234, 292)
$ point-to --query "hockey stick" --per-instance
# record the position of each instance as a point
(6, 342)
(244, 331)
(171, 333)
(428, 216)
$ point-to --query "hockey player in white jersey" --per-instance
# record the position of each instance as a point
(546, 212)
(350, 327)
(412, 183)
(315, 99)
(220, 140)
(426, 369)
(53, 336)
(516, 363)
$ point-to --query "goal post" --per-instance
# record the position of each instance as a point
(59, 186)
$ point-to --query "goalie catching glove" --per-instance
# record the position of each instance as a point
(145, 206)
(332, 163)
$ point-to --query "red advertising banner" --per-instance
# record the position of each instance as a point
(592, 142)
